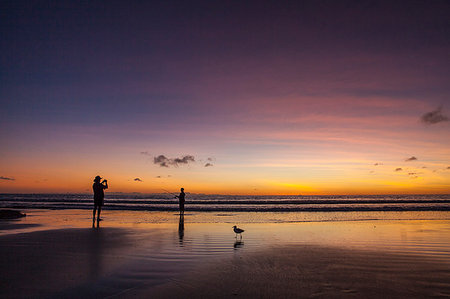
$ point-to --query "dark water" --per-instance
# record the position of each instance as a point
(236, 203)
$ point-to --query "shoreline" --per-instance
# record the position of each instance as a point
(163, 255)
(71, 263)
(42, 219)
(237, 210)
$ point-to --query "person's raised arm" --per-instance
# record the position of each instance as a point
(105, 186)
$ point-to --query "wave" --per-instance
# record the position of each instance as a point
(231, 203)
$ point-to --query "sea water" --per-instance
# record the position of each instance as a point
(233, 203)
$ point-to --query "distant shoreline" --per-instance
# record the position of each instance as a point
(352, 195)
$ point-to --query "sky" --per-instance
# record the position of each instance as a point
(225, 97)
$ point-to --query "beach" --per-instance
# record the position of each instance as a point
(305, 143)
(312, 271)
(58, 254)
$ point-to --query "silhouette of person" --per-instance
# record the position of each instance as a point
(181, 200)
(99, 196)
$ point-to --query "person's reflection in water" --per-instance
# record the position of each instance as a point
(181, 229)
(238, 244)
(95, 254)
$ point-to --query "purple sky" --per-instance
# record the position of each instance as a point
(252, 83)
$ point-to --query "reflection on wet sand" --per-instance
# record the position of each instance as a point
(95, 253)
(131, 250)
(59, 262)
(181, 229)
(238, 244)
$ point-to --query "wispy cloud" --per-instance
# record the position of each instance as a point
(163, 161)
(138, 180)
(434, 117)
(145, 153)
(377, 164)
(399, 169)
(6, 178)
(411, 159)
(208, 165)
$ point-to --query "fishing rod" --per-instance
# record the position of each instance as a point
(169, 192)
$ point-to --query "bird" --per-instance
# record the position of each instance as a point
(238, 231)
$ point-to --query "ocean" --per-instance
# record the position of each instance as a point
(232, 203)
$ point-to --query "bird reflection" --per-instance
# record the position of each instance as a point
(238, 244)
(181, 229)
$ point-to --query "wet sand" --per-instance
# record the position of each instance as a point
(129, 257)
(311, 272)
(44, 263)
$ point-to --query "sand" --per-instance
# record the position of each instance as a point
(45, 263)
(311, 272)
(130, 258)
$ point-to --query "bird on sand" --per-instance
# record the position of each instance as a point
(238, 231)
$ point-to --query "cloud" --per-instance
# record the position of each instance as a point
(411, 159)
(163, 161)
(6, 178)
(376, 164)
(448, 167)
(138, 180)
(158, 176)
(145, 153)
(208, 165)
(398, 169)
(434, 117)
(184, 160)
(412, 173)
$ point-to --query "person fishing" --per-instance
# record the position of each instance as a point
(181, 198)
(99, 196)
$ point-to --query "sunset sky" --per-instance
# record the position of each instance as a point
(230, 97)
